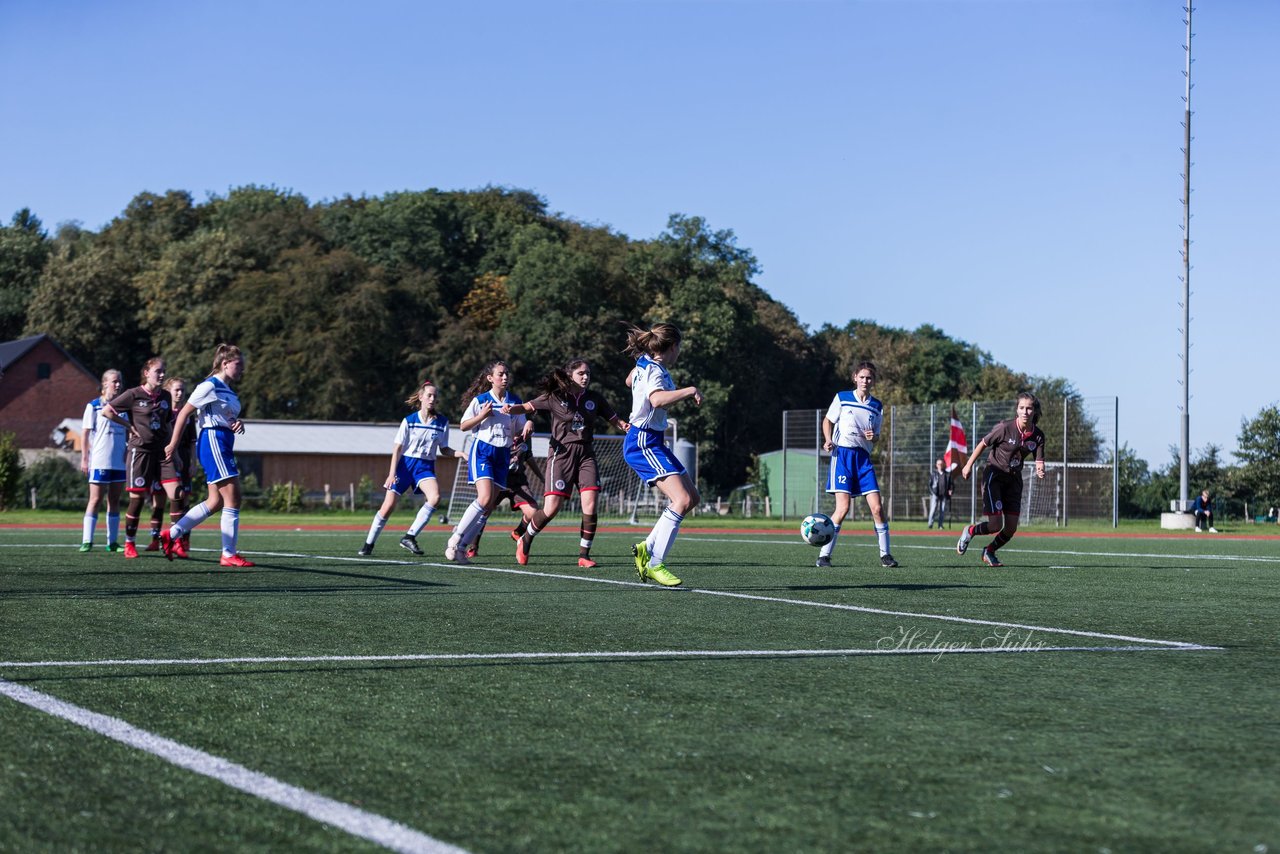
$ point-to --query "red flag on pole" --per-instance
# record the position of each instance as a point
(958, 447)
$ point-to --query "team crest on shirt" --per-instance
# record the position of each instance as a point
(559, 484)
(999, 506)
(590, 405)
(139, 482)
(1031, 446)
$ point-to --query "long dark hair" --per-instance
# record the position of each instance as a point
(1035, 405)
(559, 382)
(482, 383)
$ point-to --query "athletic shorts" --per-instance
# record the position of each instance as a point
(106, 476)
(648, 455)
(411, 471)
(569, 466)
(488, 461)
(1001, 492)
(143, 469)
(215, 446)
(176, 469)
(851, 472)
(519, 495)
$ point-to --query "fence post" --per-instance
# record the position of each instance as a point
(785, 414)
(892, 453)
(1066, 495)
(817, 462)
(973, 469)
(1115, 469)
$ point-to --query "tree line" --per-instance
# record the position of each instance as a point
(342, 306)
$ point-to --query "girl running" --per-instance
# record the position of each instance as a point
(102, 461)
(216, 408)
(572, 461)
(852, 423)
(645, 450)
(1010, 442)
(488, 419)
(147, 413)
(413, 466)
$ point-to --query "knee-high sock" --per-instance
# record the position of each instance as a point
(90, 522)
(826, 550)
(999, 540)
(193, 517)
(113, 527)
(536, 524)
(420, 521)
(230, 530)
(379, 522)
(882, 538)
(471, 523)
(586, 534)
(664, 535)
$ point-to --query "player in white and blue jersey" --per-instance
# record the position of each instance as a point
(851, 424)
(421, 436)
(102, 453)
(645, 448)
(216, 407)
(492, 424)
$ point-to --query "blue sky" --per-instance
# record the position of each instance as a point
(1006, 170)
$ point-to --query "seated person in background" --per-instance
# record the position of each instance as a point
(1203, 508)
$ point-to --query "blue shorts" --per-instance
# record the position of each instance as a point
(106, 476)
(410, 472)
(488, 461)
(851, 472)
(648, 455)
(216, 457)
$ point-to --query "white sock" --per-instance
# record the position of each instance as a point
(90, 522)
(420, 521)
(826, 550)
(113, 527)
(471, 523)
(664, 535)
(376, 528)
(230, 530)
(194, 517)
(882, 537)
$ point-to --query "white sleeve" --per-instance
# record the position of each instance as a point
(203, 395)
(473, 409)
(89, 422)
(833, 411)
(402, 435)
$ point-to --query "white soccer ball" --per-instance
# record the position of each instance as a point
(817, 529)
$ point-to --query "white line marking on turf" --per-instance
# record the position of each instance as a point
(782, 600)
(596, 655)
(355, 821)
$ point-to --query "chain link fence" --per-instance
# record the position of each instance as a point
(1081, 440)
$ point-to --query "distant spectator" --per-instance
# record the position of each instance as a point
(1203, 508)
(939, 494)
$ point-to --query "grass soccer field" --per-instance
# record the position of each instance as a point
(1096, 694)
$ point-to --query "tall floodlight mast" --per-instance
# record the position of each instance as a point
(1186, 274)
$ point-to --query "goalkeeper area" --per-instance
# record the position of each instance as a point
(1098, 693)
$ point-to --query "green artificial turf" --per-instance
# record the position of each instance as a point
(577, 716)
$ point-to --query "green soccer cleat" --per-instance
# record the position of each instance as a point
(84, 547)
(640, 551)
(659, 573)
(113, 547)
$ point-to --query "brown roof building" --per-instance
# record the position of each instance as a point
(40, 385)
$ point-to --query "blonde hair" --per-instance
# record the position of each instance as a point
(650, 342)
(223, 354)
(415, 399)
(172, 381)
(102, 384)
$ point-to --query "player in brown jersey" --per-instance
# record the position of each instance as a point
(1010, 443)
(146, 411)
(178, 467)
(573, 408)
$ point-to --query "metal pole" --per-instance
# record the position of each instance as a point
(888, 517)
(1183, 491)
(973, 468)
(817, 462)
(783, 515)
(1066, 404)
(1115, 469)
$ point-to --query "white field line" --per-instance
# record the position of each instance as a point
(357, 822)
(896, 646)
(804, 603)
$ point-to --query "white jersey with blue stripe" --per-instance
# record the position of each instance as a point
(422, 439)
(497, 429)
(216, 404)
(852, 418)
(107, 448)
(647, 377)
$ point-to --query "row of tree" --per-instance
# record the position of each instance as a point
(342, 306)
